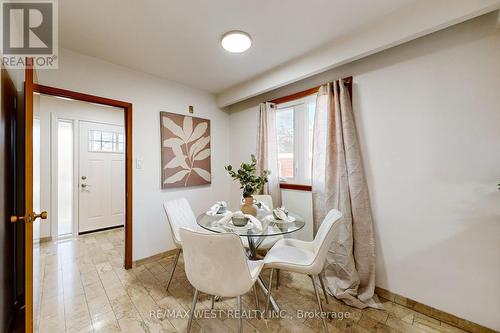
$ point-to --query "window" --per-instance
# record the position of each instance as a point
(294, 126)
(64, 177)
(101, 141)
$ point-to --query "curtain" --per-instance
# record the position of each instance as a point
(267, 150)
(338, 182)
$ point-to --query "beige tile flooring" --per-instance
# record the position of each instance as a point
(85, 289)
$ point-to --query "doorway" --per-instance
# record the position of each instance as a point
(102, 147)
(83, 181)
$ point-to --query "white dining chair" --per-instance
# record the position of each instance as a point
(304, 257)
(216, 264)
(179, 214)
(266, 199)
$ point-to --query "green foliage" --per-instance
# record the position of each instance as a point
(250, 182)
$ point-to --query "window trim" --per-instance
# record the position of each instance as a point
(296, 187)
(299, 95)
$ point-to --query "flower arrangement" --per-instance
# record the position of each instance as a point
(250, 182)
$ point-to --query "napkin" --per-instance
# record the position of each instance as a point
(262, 206)
(215, 208)
(281, 213)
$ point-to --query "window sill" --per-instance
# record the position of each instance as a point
(297, 187)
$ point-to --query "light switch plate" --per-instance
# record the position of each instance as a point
(138, 163)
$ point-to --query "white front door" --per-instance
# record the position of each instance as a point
(101, 176)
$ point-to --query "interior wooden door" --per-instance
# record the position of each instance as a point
(25, 212)
(11, 294)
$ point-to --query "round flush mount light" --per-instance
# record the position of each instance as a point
(236, 41)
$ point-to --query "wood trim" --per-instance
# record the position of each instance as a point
(80, 96)
(128, 151)
(155, 257)
(128, 186)
(28, 195)
(296, 187)
(308, 92)
(295, 96)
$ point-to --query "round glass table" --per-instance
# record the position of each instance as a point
(270, 227)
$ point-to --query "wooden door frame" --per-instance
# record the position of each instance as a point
(28, 195)
(127, 107)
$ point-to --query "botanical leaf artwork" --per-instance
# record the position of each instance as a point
(185, 150)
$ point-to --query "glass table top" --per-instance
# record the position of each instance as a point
(270, 226)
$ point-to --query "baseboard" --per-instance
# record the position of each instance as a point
(433, 312)
(155, 257)
(102, 229)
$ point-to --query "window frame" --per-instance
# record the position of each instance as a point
(298, 95)
(300, 139)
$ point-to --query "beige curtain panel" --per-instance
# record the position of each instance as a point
(267, 150)
(338, 182)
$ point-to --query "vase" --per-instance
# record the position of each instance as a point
(248, 207)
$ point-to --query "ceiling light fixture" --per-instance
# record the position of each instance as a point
(236, 41)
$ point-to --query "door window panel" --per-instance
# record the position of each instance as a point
(105, 142)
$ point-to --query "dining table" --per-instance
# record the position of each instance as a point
(255, 234)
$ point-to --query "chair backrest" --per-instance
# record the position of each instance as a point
(324, 238)
(266, 199)
(215, 264)
(179, 214)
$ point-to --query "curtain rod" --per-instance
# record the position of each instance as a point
(307, 92)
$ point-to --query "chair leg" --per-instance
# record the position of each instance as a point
(319, 303)
(173, 268)
(256, 297)
(213, 301)
(323, 287)
(191, 313)
(278, 279)
(240, 319)
(269, 292)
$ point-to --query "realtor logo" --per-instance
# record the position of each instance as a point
(29, 29)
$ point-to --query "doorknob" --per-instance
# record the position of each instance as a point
(15, 218)
(29, 218)
(43, 215)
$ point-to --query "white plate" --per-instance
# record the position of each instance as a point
(275, 220)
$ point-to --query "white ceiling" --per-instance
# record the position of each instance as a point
(180, 40)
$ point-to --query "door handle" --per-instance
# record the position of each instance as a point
(43, 215)
(29, 218)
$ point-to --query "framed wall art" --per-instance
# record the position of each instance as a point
(185, 150)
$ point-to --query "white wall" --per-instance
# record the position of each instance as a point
(149, 95)
(428, 118)
(49, 109)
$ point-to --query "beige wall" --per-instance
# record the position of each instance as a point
(149, 95)
(428, 118)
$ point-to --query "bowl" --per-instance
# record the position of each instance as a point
(240, 221)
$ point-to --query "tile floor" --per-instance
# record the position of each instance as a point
(84, 288)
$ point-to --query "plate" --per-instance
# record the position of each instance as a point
(275, 220)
